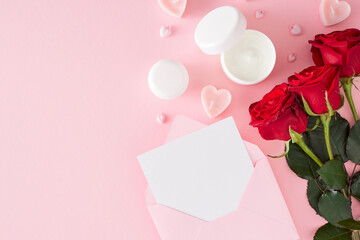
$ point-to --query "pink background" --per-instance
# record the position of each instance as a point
(75, 108)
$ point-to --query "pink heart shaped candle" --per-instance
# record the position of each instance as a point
(334, 11)
(173, 7)
(215, 101)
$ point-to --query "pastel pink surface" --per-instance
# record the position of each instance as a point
(76, 110)
(270, 213)
(215, 101)
(334, 11)
(173, 7)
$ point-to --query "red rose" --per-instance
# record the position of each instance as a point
(312, 83)
(278, 110)
(341, 48)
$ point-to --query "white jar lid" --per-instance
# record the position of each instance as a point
(220, 30)
(168, 79)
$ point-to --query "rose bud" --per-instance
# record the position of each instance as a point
(278, 110)
(313, 82)
(340, 48)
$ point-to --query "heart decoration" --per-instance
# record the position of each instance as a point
(295, 29)
(215, 101)
(165, 31)
(259, 14)
(160, 118)
(291, 57)
(173, 7)
(334, 11)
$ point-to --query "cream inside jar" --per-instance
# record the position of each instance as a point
(251, 60)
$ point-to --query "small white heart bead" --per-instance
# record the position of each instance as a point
(295, 29)
(259, 14)
(291, 57)
(160, 118)
(165, 31)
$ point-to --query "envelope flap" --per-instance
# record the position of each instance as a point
(264, 196)
(253, 220)
(174, 225)
(255, 152)
(183, 126)
(149, 197)
(246, 224)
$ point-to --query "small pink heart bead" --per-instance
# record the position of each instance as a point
(173, 7)
(259, 14)
(291, 57)
(215, 101)
(165, 31)
(334, 11)
(295, 29)
(160, 118)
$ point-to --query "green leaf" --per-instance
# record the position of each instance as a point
(330, 232)
(300, 163)
(333, 174)
(350, 224)
(355, 186)
(353, 143)
(334, 207)
(314, 193)
(339, 132)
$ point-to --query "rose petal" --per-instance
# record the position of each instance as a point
(279, 129)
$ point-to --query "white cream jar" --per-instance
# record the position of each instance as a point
(247, 56)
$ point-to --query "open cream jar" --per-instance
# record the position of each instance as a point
(247, 56)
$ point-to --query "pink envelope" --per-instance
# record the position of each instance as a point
(262, 212)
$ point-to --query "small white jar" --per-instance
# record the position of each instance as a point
(247, 56)
(168, 79)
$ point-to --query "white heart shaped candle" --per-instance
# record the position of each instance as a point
(173, 7)
(334, 11)
(215, 101)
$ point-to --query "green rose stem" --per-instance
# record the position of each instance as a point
(299, 140)
(347, 83)
(325, 119)
(307, 150)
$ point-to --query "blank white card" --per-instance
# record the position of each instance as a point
(203, 174)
